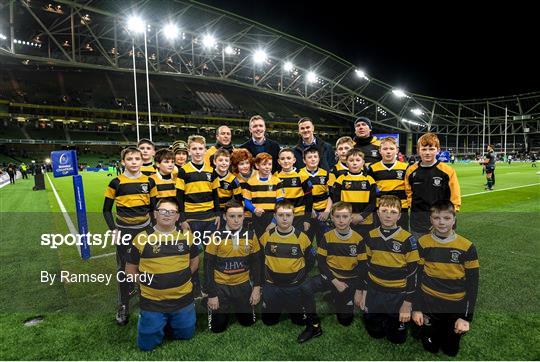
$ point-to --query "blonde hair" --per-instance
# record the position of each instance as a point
(344, 139)
(195, 138)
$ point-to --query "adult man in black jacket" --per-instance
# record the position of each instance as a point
(258, 142)
(366, 142)
(308, 139)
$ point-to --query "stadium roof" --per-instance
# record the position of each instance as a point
(221, 46)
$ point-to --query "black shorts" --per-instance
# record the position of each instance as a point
(490, 169)
(234, 298)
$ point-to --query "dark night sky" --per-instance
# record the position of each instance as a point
(459, 51)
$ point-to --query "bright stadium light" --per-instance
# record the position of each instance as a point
(360, 74)
(417, 111)
(405, 120)
(171, 31)
(229, 50)
(399, 93)
(209, 41)
(260, 56)
(135, 24)
(288, 66)
(311, 77)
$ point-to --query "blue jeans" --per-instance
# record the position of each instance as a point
(151, 328)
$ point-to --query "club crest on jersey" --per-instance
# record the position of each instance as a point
(396, 246)
(399, 174)
(437, 181)
(374, 153)
(156, 249)
(294, 251)
(352, 250)
(273, 249)
(454, 256)
(363, 185)
(270, 187)
(348, 185)
(226, 185)
(322, 180)
(293, 182)
(209, 177)
(144, 188)
(181, 247)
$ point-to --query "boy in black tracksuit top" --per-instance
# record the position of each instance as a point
(444, 300)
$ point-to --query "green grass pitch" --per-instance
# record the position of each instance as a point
(79, 318)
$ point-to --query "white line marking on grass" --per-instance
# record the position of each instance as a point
(508, 188)
(69, 223)
(102, 255)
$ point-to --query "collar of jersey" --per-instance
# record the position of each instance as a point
(341, 237)
(389, 236)
(444, 241)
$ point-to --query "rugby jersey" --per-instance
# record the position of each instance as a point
(166, 256)
(243, 184)
(342, 256)
(390, 180)
(232, 259)
(165, 185)
(197, 192)
(370, 148)
(360, 191)
(287, 257)
(297, 188)
(339, 169)
(320, 191)
(134, 198)
(392, 260)
(426, 185)
(264, 194)
(448, 270)
(148, 169)
(229, 188)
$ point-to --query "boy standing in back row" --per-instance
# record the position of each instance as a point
(427, 182)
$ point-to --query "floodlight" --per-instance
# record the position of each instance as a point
(259, 56)
(171, 31)
(399, 93)
(208, 41)
(288, 66)
(360, 74)
(135, 24)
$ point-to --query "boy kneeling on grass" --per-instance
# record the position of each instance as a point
(444, 301)
(391, 281)
(166, 301)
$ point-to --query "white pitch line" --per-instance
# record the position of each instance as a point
(102, 255)
(69, 223)
(508, 188)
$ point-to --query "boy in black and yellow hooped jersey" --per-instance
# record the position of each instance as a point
(229, 187)
(428, 181)
(341, 257)
(322, 203)
(134, 195)
(164, 179)
(389, 174)
(197, 194)
(445, 297)
(297, 189)
(148, 150)
(343, 146)
(263, 190)
(162, 259)
(232, 267)
(359, 190)
(391, 282)
(288, 257)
